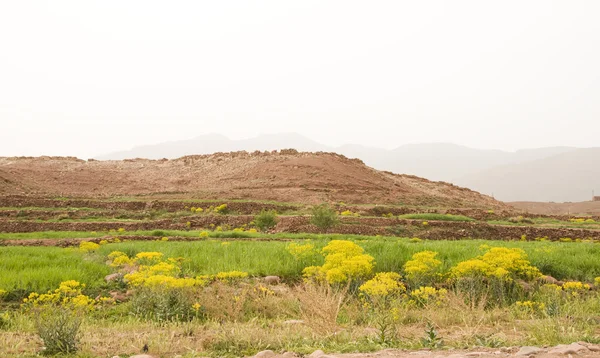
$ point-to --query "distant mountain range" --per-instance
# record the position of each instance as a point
(545, 174)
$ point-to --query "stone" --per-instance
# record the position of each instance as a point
(293, 321)
(142, 356)
(289, 355)
(316, 354)
(528, 350)
(572, 348)
(272, 280)
(550, 280)
(112, 277)
(265, 354)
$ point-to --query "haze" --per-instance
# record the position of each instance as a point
(85, 78)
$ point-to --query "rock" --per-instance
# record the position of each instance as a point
(549, 279)
(293, 321)
(316, 354)
(265, 354)
(572, 348)
(528, 350)
(289, 355)
(112, 277)
(142, 356)
(118, 296)
(272, 280)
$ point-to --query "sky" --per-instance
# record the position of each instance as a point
(85, 78)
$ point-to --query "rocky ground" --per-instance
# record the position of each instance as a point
(577, 349)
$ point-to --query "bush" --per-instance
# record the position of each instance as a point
(323, 217)
(267, 219)
(58, 327)
(164, 304)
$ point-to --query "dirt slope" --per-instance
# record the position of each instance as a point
(282, 176)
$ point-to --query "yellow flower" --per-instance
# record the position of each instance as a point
(231, 276)
(423, 266)
(204, 234)
(344, 261)
(88, 246)
(427, 295)
(384, 284)
(196, 306)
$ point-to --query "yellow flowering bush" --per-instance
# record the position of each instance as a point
(349, 213)
(148, 257)
(221, 209)
(301, 252)
(204, 234)
(575, 288)
(530, 307)
(384, 284)
(498, 262)
(88, 246)
(344, 261)
(427, 295)
(597, 281)
(68, 294)
(231, 276)
(423, 268)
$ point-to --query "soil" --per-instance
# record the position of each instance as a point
(285, 176)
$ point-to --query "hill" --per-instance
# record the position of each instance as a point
(570, 176)
(434, 161)
(287, 175)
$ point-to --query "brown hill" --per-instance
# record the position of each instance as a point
(287, 176)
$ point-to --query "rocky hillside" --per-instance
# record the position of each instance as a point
(286, 175)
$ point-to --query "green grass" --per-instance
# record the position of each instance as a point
(434, 216)
(42, 268)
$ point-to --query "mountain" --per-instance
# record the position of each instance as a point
(287, 176)
(568, 176)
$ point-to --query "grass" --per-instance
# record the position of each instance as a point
(41, 268)
(434, 216)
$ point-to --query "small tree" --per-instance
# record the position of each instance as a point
(267, 219)
(323, 217)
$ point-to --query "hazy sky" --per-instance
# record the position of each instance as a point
(88, 77)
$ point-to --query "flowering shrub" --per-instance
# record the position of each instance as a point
(204, 234)
(68, 294)
(221, 209)
(344, 261)
(301, 252)
(349, 213)
(384, 284)
(575, 288)
(498, 262)
(597, 281)
(427, 295)
(88, 246)
(530, 307)
(231, 276)
(423, 268)
(148, 257)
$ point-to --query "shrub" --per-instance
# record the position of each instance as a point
(221, 209)
(58, 327)
(267, 219)
(164, 304)
(423, 268)
(345, 261)
(88, 246)
(323, 217)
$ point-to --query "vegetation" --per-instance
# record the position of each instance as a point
(267, 219)
(323, 217)
(433, 216)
